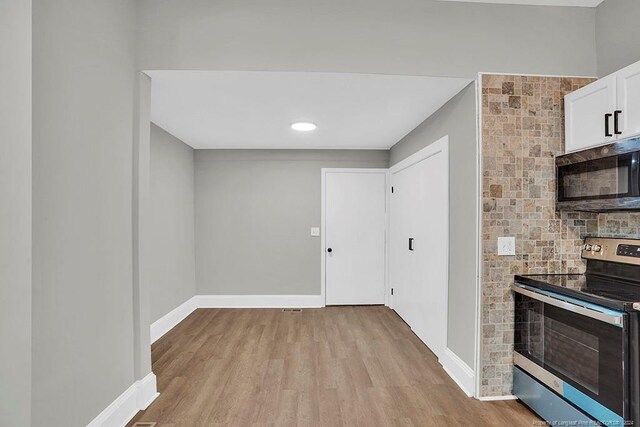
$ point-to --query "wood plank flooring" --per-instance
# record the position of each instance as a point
(334, 366)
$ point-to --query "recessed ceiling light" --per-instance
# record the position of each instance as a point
(303, 126)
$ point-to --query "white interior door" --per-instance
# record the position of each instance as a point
(402, 261)
(354, 236)
(419, 272)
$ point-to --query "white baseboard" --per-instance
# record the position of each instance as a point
(493, 398)
(459, 371)
(259, 301)
(147, 391)
(171, 319)
(136, 398)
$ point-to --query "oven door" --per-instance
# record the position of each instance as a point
(575, 348)
(606, 183)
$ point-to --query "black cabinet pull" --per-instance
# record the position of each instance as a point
(607, 132)
(410, 243)
(329, 250)
(616, 122)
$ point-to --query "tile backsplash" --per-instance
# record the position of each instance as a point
(522, 132)
(619, 224)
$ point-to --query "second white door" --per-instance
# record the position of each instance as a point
(419, 244)
(354, 236)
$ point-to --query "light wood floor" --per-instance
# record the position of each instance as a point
(335, 366)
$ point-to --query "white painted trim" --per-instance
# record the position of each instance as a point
(259, 301)
(429, 151)
(292, 147)
(491, 73)
(459, 371)
(136, 398)
(171, 319)
(120, 411)
(323, 243)
(387, 240)
(447, 243)
(565, 3)
(147, 391)
(494, 398)
(478, 309)
(323, 239)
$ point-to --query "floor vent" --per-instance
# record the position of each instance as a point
(145, 425)
(291, 309)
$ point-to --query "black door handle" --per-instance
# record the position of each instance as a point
(329, 250)
(410, 243)
(616, 122)
(607, 132)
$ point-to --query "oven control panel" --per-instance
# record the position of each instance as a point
(624, 251)
(628, 250)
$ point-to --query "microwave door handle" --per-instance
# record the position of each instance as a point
(607, 131)
(635, 174)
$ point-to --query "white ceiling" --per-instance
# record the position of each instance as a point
(575, 3)
(243, 109)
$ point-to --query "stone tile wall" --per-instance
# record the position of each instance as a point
(620, 224)
(522, 131)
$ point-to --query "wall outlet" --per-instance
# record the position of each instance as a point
(506, 246)
(315, 231)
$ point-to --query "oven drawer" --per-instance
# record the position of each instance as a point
(551, 407)
(570, 394)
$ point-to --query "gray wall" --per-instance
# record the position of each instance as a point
(255, 208)
(173, 271)
(83, 97)
(617, 35)
(457, 119)
(15, 213)
(415, 37)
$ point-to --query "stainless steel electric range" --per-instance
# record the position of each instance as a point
(576, 342)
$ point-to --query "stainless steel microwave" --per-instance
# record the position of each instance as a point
(600, 179)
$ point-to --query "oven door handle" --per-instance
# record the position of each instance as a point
(594, 314)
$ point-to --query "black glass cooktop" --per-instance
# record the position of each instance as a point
(611, 292)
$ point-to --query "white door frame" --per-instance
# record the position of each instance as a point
(323, 251)
(477, 357)
(439, 146)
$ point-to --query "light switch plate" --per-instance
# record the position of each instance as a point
(315, 231)
(506, 246)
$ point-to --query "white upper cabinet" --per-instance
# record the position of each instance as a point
(603, 111)
(629, 101)
(589, 115)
